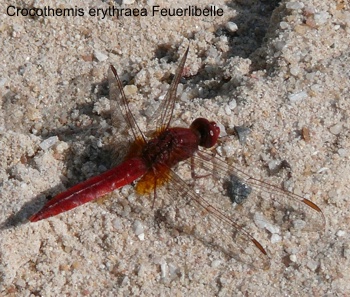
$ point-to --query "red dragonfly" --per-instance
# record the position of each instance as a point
(151, 162)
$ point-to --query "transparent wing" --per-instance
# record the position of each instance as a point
(205, 210)
(280, 208)
(119, 102)
(166, 108)
(197, 216)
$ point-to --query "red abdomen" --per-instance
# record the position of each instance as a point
(92, 188)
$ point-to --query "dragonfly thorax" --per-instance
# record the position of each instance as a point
(171, 146)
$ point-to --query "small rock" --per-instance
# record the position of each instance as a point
(227, 110)
(164, 269)
(321, 18)
(100, 56)
(293, 258)
(3, 81)
(232, 104)
(138, 228)
(341, 233)
(296, 97)
(284, 25)
(274, 167)
(275, 238)
(346, 253)
(294, 5)
(49, 142)
(61, 147)
(242, 133)
(305, 133)
(299, 224)
(174, 271)
(342, 152)
(321, 170)
(336, 129)
(231, 26)
(279, 45)
(117, 224)
(222, 129)
(125, 282)
(216, 263)
(261, 222)
(130, 89)
(294, 70)
(312, 265)
(301, 29)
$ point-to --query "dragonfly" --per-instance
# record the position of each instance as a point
(151, 162)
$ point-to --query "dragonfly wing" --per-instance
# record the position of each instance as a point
(166, 108)
(119, 104)
(284, 209)
(197, 216)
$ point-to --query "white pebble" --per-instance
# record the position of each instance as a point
(228, 149)
(341, 233)
(130, 89)
(117, 224)
(342, 152)
(321, 170)
(279, 45)
(284, 25)
(294, 70)
(227, 110)
(125, 282)
(232, 104)
(222, 129)
(173, 270)
(273, 165)
(184, 96)
(321, 18)
(231, 26)
(336, 129)
(262, 223)
(312, 265)
(21, 283)
(293, 258)
(316, 88)
(296, 97)
(164, 269)
(138, 228)
(216, 263)
(275, 238)
(100, 56)
(299, 224)
(49, 142)
(346, 253)
(61, 147)
(294, 5)
(3, 81)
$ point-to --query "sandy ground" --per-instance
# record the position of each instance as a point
(283, 72)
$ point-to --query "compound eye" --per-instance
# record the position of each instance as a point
(208, 132)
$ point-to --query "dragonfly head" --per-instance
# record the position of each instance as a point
(208, 132)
